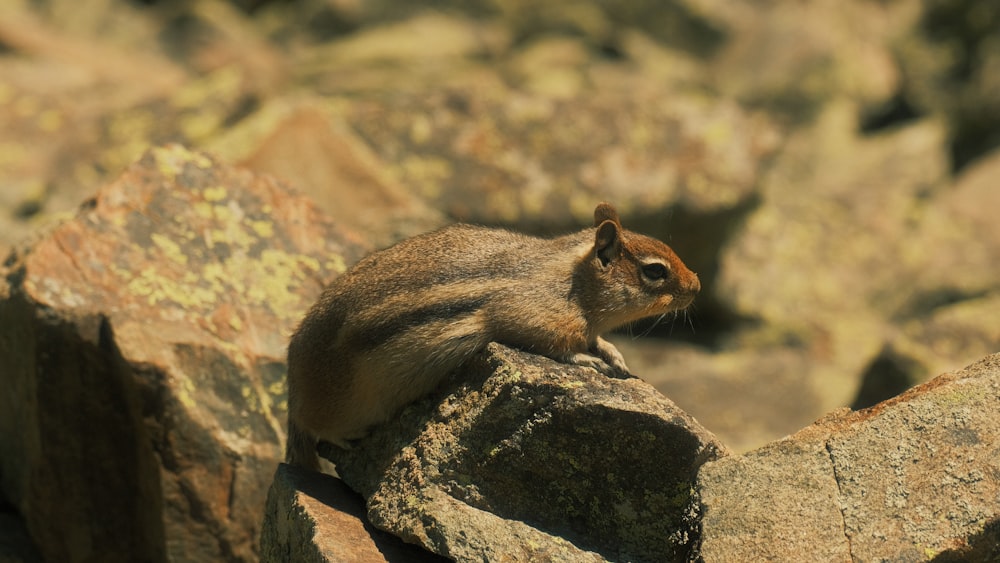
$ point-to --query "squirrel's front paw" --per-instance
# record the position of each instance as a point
(599, 364)
(607, 352)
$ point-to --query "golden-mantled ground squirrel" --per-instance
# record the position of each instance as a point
(388, 331)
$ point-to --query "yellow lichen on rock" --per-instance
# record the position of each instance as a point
(170, 160)
(170, 248)
(215, 193)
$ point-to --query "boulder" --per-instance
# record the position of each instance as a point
(307, 142)
(15, 543)
(526, 459)
(726, 390)
(815, 52)
(820, 264)
(497, 467)
(143, 346)
(312, 517)
(950, 62)
(910, 479)
(61, 92)
(491, 154)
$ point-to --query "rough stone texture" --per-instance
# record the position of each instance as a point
(312, 517)
(909, 479)
(825, 166)
(526, 459)
(945, 316)
(143, 346)
(56, 93)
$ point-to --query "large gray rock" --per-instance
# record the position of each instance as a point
(908, 479)
(525, 459)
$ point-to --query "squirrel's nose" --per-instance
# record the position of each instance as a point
(693, 285)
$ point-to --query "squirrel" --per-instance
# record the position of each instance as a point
(389, 330)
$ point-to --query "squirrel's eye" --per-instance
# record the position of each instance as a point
(654, 271)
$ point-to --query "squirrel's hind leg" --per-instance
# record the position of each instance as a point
(300, 448)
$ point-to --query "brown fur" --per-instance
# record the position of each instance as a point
(389, 330)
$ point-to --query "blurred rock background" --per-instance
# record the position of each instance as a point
(829, 168)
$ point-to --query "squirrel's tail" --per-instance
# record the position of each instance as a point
(300, 448)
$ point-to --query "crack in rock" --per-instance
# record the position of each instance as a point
(840, 499)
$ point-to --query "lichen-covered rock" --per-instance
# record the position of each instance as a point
(495, 155)
(143, 347)
(908, 479)
(526, 459)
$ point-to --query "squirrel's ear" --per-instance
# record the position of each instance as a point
(608, 241)
(605, 212)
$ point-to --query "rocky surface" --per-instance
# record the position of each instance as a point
(810, 162)
(827, 168)
(914, 478)
(526, 459)
(144, 360)
(316, 518)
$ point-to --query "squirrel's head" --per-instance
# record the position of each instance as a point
(637, 276)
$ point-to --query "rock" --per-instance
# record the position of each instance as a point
(143, 343)
(527, 459)
(312, 517)
(815, 53)
(950, 61)
(679, 167)
(909, 479)
(430, 51)
(55, 91)
(15, 543)
(496, 155)
(892, 372)
(958, 215)
(812, 264)
(308, 143)
(746, 397)
(947, 315)
(816, 195)
(952, 332)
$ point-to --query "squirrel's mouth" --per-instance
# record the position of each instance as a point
(681, 301)
(667, 304)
